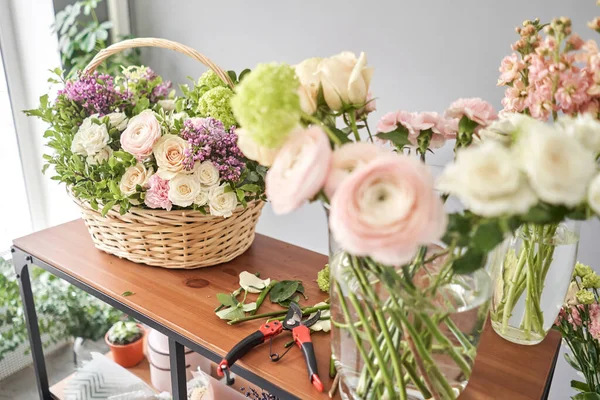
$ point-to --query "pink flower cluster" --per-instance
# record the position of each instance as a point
(157, 195)
(550, 79)
(95, 92)
(577, 318)
(442, 127)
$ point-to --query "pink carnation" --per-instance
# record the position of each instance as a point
(387, 209)
(475, 109)
(388, 122)
(594, 326)
(157, 195)
(510, 69)
(574, 317)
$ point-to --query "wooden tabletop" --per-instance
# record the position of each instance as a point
(184, 300)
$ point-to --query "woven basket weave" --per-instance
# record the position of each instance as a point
(170, 239)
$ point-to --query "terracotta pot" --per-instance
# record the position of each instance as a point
(128, 355)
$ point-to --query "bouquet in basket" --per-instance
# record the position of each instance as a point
(127, 140)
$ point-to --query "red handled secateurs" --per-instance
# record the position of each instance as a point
(300, 332)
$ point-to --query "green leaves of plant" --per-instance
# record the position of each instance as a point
(227, 300)
(284, 292)
(586, 396)
(399, 137)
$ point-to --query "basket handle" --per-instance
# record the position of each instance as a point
(156, 42)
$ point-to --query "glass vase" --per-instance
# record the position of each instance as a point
(401, 337)
(532, 272)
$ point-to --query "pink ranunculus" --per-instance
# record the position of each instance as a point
(572, 91)
(510, 69)
(157, 195)
(515, 97)
(346, 159)
(299, 170)
(141, 133)
(387, 209)
(475, 109)
(388, 122)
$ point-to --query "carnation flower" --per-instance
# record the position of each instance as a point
(157, 195)
(488, 181)
(475, 109)
(208, 140)
(594, 326)
(267, 103)
(95, 92)
(215, 103)
(559, 168)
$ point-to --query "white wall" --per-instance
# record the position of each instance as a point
(425, 53)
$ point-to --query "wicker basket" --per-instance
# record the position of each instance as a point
(170, 239)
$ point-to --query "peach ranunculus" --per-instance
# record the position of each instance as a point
(387, 209)
(345, 79)
(476, 109)
(309, 83)
(299, 170)
(169, 152)
(141, 133)
(346, 159)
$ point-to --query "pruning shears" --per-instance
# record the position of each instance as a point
(300, 332)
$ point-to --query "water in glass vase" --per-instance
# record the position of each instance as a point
(532, 279)
(431, 347)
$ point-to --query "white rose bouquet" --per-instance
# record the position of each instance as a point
(127, 140)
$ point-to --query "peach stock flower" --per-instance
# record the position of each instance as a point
(515, 97)
(476, 109)
(141, 133)
(346, 159)
(510, 69)
(299, 170)
(387, 209)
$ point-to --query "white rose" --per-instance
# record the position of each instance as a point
(593, 195)
(135, 175)
(90, 138)
(559, 168)
(488, 181)
(309, 84)
(221, 203)
(202, 198)
(252, 150)
(345, 79)
(207, 174)
(584, 128)
(169, 154)
(183, 190)
(101, 156)
(501, 130)
(118, 120)
(180, 115)
(167, 105)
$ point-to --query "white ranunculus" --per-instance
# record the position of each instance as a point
(90, 138)
(207, 174)
(559, 168)
(252, 150)
(488, 181)
(100, 157)
(584, 128)
(309, 83)
(169, 154)
(183, 190)
(593, 195)
(118, 120)
(202, 198)
(221, 203)
(167, 105)
(345, 79)
(135, 175)
(252, 283)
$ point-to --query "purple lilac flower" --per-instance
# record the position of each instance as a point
(160, 91)
(209, 141)
(94, 96)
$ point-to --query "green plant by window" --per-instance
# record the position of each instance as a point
(82, 35)
(123, 333)
(63, 310)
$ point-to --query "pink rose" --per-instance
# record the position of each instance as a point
(475, 109)
(387, 209)
(140, 135)
(346, 159)
(299, 170)
(157, 195)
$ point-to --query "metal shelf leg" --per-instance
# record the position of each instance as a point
(21, 264)
(178, 373)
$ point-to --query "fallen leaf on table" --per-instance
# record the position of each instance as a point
(252, 283)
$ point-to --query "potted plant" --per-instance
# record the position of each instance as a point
(125, 340)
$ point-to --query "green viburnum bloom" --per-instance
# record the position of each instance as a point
(267, 104)
(591, 281)
(323, 279)
(582, 270)
(215, 103)
(585, 297)
(209, 80)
